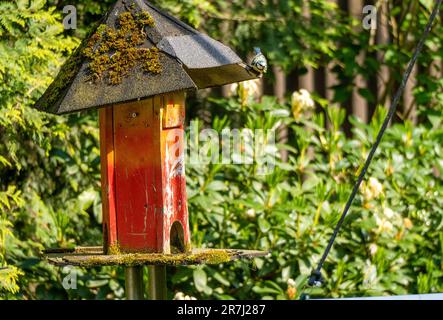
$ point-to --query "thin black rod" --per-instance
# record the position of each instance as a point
(316, 275)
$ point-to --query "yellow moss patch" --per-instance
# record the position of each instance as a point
(115, 52)
(134, 259)
(68, 71)
(114, 249)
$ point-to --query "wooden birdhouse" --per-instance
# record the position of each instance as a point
(136, 68)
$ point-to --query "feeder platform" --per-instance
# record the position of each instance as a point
(95, 257)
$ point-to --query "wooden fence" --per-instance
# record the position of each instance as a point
(322, 79)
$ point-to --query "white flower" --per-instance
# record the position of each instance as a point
(383, 225)
(179, 296)
(250, 213)
(233, 89)
(291, 283)
(182, 296)
(303, 97)
(246, 90)
(252, 87)
(372, 189)
(370, 274)
(389, 213)
(301, 101)
(376, 187)
(373, 248)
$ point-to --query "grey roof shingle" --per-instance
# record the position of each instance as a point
(190, 60)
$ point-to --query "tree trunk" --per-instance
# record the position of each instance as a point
(436, 71)
(280, 92)
(331, 80)
(383, 38)
(409, 105)
(359, 104)
(306, 81)
(224, 27)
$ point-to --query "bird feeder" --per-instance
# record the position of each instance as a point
(136, 68)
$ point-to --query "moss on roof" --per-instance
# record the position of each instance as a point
(114, 52)
(138, 52)
(60, 85)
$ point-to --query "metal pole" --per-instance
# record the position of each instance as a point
(134, 283)
(157, 282)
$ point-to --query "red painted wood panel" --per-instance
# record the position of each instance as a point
(136, 162)
(173, 170)
(107, 176)
(143, 173)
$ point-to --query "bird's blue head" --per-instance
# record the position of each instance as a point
(257, 50)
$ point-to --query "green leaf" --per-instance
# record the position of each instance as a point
(310, 183)
(216, 185)
(86, 199)
(263, 224)
(200, 280)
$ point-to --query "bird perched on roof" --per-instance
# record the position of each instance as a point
(259, 63)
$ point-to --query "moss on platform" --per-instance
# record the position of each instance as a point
(196, 257)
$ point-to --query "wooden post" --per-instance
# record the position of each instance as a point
(134, 283)
(157, 283)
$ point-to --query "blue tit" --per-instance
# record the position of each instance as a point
(259, 64)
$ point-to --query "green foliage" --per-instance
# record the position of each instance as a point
(407, 20)
(47, 164)
(289, 38)
(390, 243)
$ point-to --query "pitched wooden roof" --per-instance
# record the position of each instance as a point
(138, 52)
